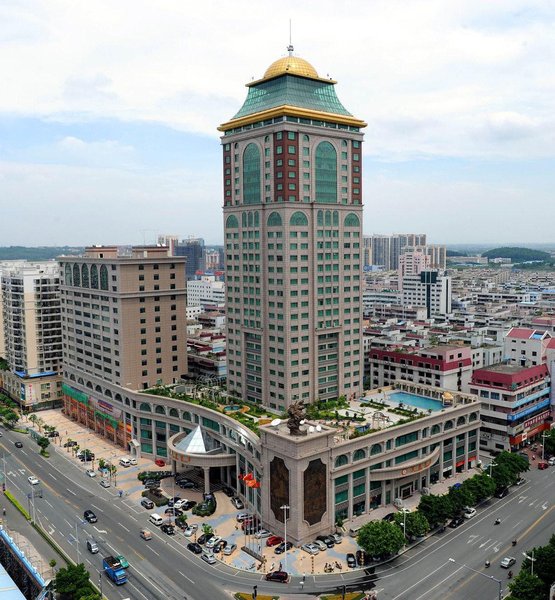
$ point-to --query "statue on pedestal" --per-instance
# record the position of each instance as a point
(296, 416)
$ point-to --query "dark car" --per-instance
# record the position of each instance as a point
(70, 444)
(90, 516)
(203, 538)
(188, 505)
(229, 492)
(390, 517)
(502, 493)
(219, 546)
(168, 528)
(280, 576)
(456, 522)
(147, 503)
(351, 560)
(281, 548)
(194, 547)
(186, 485)
(173, 500)
(173, 511)
(326, 539)
(18, 445)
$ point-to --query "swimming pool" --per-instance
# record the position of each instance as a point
(414, 400)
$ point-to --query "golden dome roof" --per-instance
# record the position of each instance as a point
(292, 65)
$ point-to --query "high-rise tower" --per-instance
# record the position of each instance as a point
(292, 166)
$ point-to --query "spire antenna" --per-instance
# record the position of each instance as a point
(290, 47)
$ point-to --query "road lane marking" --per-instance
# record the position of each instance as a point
(55, 479)
(188, 578)
(124, 527)
(100, 530)
(473, 538)
(51, 506)
(424, 578)
(486, 542)
(153, 551)
(545, 505)
(71, 491)
(70, 524)
(97, 507)
(138, 590)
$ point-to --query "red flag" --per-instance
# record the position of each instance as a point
(248, 477)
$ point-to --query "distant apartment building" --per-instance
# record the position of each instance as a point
(124, 329)
(447, 367)
(526, 347)
(428, 289)
(205, 291)
(193, 250)
(212, 260)
(385, 250)
(515, 404)
(413, 262)
(32, 334)
(438, 255)
(206, 355)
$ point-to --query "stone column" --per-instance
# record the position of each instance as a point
(206, 479)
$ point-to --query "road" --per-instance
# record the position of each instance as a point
(164, 568)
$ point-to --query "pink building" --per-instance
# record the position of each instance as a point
(413, 263)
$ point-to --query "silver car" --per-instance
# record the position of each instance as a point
(320, 545)
(230, 549)
(310, 548)
(208, 557)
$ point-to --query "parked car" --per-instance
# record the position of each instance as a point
(173, 500)
(507, 562)
(33, 480)
(230, 549)
(188, 504)
(502, 493)
(147, 503)
(390, 517)
(159, 462)
(174, 512)
(469, 513)
(456, 522)
(91, 472)
(213, 541)
(229, 492)
(133, 460)
(168, 528)
(90, 516)
(542, 465)
(310, 548)
(208, 557)
(327, 540)
(279, 576)
(105, 483)
(281, 548)
(179, 502)
(262, 533)
(194, 547)
(237, 502)
(274, 540)
(219, 546)
(190, 530)
(337, 538)
(242, 516)
(351, 560)
(186, 485)
(70, 444)
(551, 461)
(520, 481)
(145, 534)
(320, 545)
(203, 538)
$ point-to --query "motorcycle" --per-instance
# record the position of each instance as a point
(487, 564)
(510, 574)
(497, 521)
(514, 542)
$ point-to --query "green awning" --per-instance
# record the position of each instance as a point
(75, 394)
(114, 422)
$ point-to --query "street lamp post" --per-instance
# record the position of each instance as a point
(544, 435)
(491, 465)
(285, 508)
(531, 559)
(499, 582)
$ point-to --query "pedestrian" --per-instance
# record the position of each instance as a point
(280, 567)
(4, 510)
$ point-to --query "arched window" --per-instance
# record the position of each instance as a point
(94, 277)
(232, 222)
(436, 429)
(251, 174)
(320, 218)
(448, 425)
(328, 218)
(298, 219)
(159, 410)
(473, 416)
(375, 449)
(174, 413)
(341, 460)
(250, 219)
(145, 407)
(461, 421)
(256, 218)
(103, 277)
(118, 397)
(335, 218)
(326, 173)
(274, 220)
(306, 138)
(351, 220)
(68, 274)
(244, 219)
(108, 393)
(80, 380)
(84, 276)
(98, 389)
(89, 385)
(186, 415)
(359, 454)
(76, 275)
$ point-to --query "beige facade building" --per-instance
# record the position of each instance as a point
(293, 234)
(31, 325)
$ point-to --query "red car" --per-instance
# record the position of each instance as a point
(159, 462)
(274, 540)
(542, 465)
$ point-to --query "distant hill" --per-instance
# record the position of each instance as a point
(518, 255)
(38, 253)
(455, 253)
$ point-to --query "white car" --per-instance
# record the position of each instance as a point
(208, 557)
(33, 480)
(262, 533)
(310, 548)
(320, 545)
(469, 513)
(213, 541)
(507, 562)
(91, 472)
(179, 503)
(133, 461)
(189, 530)
(104, 483)
(230, 549)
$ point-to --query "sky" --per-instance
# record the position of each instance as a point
(109, 112)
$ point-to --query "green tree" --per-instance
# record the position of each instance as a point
(43, 442)
(379, 538)
(72, 582)
(481, 486)
(544, 564)
(207, 529)
(514, 463)
(527, 587)
(461, 497)
(436, 509)
(414, 524)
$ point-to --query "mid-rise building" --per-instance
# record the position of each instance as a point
(428, 289)
(292, 169)
(413, 262)
(515, 404)
(205, 291)
(193, 250)
(32, 334)
(206, 355)
(526, 347)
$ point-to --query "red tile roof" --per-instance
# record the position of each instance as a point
(520, 333)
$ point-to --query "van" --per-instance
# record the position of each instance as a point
(92, 546)
(125, 462)
(354, 531)
(156, 519)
